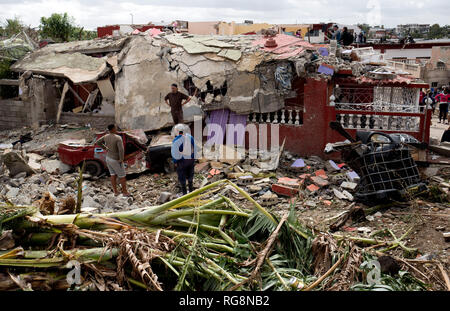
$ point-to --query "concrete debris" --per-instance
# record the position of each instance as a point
(55, 166)
(339, 194)
(349, 185)
(269, 198)
(164, 197)
(16, 164)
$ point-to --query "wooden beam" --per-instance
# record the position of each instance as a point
(61, 101)
(76, 95)
(9, 82)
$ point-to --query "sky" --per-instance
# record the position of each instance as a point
(93, 13)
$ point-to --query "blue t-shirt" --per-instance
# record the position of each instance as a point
(178, 148)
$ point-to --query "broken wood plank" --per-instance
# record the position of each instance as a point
(106, 89)
(76, 95)
(12, 82)
(444, 275)
(61, 101)
(92, 96)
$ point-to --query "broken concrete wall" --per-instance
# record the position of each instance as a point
(223, 75)
(141, 87)
(43, 102)
(40, 96)
(14, 114)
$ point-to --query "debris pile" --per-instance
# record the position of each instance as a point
(204, 240)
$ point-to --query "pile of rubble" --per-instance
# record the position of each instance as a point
(30, 169)
(241, 206)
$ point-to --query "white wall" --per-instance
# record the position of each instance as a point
(408, 53)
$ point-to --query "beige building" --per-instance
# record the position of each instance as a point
(437, 70)
(203, 28)
(233, 28)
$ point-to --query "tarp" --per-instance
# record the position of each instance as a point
(217, 120)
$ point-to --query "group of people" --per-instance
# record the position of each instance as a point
(183, 147)
(344, 37)
(437, 98)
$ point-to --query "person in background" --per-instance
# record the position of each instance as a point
(446, 136)
(347, 37)
(429, 96)
(114, 158)
(421, 95)
(175, 100)
(443, 99)
(360, 37)
(183, 155)
(298, 33)
(335, 34)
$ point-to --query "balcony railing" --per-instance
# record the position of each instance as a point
(283, 116)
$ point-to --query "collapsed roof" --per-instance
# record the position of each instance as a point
(244, 73)
(71, 60)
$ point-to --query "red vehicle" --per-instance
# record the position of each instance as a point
(138, 156)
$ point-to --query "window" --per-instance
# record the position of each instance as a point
(440, 65)
(434, 84)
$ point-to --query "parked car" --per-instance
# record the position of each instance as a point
(138, 156)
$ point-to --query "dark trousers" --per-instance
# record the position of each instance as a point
(443, 111)
(177, 116)
(185, 171)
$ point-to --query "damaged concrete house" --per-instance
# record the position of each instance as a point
(240, 79)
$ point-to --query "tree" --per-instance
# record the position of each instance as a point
(437, 32)
(12, 26)
(81, 34)
(58, 27)
(364, 27)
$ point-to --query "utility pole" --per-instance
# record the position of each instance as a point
(131, 18)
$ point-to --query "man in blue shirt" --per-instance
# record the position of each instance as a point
(183, 154)
(336, 33)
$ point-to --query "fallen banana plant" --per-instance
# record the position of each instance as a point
(204, 240)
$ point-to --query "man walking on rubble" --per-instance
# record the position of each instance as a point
(183, 155)
(114, 158)
(175, 100)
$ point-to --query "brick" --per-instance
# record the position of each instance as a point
(321, 173)
(304, 176)
(268, 199)
(292, 182)
(312, 188)
(245, 180)
(284, 190)
(327, 202)
(319, 181)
